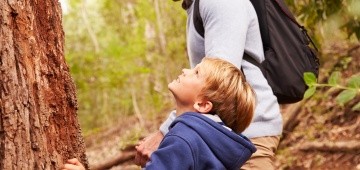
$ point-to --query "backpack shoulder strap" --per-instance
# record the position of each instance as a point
(198, 23)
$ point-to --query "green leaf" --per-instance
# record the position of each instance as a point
(345, 96)
(309, 92)
(334, 78)
(309, 78)
(354, 82)
(356, 107)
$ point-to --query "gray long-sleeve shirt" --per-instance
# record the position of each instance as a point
(231, 27)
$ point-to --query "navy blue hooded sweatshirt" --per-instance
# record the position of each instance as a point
(197, 142)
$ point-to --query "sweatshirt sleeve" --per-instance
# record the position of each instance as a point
(226, 26)
(164, 127)
(173, 153)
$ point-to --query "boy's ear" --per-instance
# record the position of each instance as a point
(203, 106)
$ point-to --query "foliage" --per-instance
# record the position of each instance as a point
(115, 50)
(122, 53)
(343, 14)
(324, 18)
(348, 91)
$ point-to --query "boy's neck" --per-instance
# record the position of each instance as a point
(181, 110)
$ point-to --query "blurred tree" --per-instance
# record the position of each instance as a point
(140, 47)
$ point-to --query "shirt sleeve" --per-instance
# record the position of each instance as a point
(173, 153)
(164, 127)
(226, 26)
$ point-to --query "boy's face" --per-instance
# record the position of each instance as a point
(187, 86)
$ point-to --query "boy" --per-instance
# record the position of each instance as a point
(213, 104)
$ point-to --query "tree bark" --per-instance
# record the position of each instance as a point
(38, 122)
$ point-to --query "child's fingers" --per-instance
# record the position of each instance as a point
(72, 167)
(73, 164)
(74, 161)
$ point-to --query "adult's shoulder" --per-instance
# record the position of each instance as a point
(224, 4)
(212, 9)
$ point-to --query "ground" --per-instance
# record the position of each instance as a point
(328, 127)
(332, 124)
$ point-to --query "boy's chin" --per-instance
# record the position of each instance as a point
(171, 88)
(171, 85)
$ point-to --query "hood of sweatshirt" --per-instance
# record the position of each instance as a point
(232, 149)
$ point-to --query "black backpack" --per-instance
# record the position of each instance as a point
(286, 47)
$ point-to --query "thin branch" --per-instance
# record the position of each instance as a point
(117, 160)
(292, 120)
(160, 27)
(84, 16)
(136, 108)
(328, 146)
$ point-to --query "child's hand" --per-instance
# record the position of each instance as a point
(146, 147)
(73, 164)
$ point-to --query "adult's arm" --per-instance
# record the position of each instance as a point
(146, 147)
(164, 128)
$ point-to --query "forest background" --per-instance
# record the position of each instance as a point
(123, 53)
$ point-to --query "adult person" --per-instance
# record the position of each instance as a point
(231, 28)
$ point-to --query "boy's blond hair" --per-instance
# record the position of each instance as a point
(232, 97)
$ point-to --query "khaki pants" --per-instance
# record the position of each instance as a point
(263, 158)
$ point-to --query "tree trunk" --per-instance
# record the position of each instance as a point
(38, 124)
